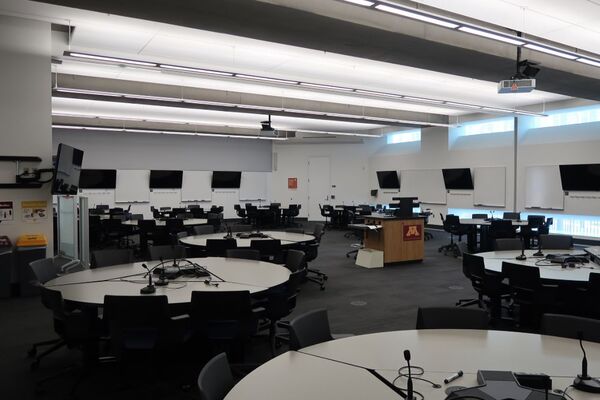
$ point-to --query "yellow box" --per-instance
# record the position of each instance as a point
(32, 241)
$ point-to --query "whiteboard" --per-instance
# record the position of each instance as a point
(254, 186)
(490, 186)
(426, 184)
(543, 188)
(196, 186)
(132, 186)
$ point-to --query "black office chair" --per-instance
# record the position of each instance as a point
(241, 228)
(203, 229)
(295, 260)
(479, 216)
(95, 231)
(184, 216)
(109, 257)
(197, 212)
(247, 254)
(216, 209)
(113, 231)
(219, 247)
(451, 318)
(311, 250)
(516, 216)
(289, 214)
(327, 213)
(556, 242)
(309, 329)
(215, 379)
(592, 296)
(149, 234)
(173, 226)
(569, 326)
(500, 229)
(167, 252)
(270, 249)
(240, 212)
(215, 220)
(508, 244)
(453, 226)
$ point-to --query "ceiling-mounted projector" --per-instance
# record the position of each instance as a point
(267, 129)
(516, 86)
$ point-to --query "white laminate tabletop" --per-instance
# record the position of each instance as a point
(287, 238)
(471, 221)
(186, 222)
(339, 368)
(494, 259)
(90, 286)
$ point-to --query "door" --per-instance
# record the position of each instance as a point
(319, 186)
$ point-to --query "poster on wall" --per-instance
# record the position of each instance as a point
(33, 211)
(6, 211)
(292, 183)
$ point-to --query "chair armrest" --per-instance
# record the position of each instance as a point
(180, 317)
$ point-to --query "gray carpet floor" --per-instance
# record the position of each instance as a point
(358, 300)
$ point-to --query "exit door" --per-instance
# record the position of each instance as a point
(319, 185)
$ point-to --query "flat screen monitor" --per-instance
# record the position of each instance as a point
(165, 179)
(226, 179)
(584, 177)
(388, 180)
(67, 170)
(98, 179)
(457, 178)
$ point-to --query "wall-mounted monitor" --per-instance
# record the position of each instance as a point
(67, 170)
(584, 177)
(98, 179)
(165, 179)
(226, 179)
(458, 178)
(388, 180)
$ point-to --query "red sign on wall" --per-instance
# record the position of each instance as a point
(292, 183)
(413, 232)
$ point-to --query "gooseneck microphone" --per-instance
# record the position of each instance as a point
(539, 253)
(584, 382)
(522, 256)
(162, 277)
(409, 383)
(150, 288)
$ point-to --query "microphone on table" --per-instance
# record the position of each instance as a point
(522, 256)
(162, 278)
(584, 382)
(539, 253)
(409, 383)
(150, 288)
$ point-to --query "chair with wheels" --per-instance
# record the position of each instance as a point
(219, 247)
(167, 252)
(109, 257)
(270, 249)
(479, 216)
(569, 326)
(246, 254)
(327, 213)
(311, 328)
(240, 212)
(203, 229)
(513, 216)
(508, 244)
(215, 379)
(451, 318)
(453, 226)
(556, 242)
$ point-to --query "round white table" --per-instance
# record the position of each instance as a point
(287, 238)
(494, 259)
(338, 369)
(91, 285)
(159, 222)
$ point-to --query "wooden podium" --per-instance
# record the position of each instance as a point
(400, 238)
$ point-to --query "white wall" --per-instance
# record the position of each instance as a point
(25, 112)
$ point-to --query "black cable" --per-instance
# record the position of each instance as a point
(564, 392)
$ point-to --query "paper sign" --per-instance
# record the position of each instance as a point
(6, 211)
(292, 183)
(33, 211)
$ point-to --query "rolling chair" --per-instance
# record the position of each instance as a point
(219, 247)
(215, 379)
(556, 241)
(453, 226)
(203, 229)
(569, 326)
(479, 216)
(106, 258)
(451, 318)
(270, 250)
(311, 328)
(508, 244)
(246, 254)
(240, 212)
(327, 213)
(514, 216)
(167, 252)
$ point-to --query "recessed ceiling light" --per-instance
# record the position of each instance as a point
(418, 16)
(110, 59)
(550, 51)
(491, 35)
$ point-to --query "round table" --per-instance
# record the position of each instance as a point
(91, 285)
(159, 222)
(287, 238)
(494, 259)
(338, 369)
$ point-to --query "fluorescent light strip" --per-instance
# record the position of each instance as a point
(365, 3)
(422, 100)
(110, 59)
(340, 133)
(451, 103)
(267, 79)
(90, 92)
(491, 35)
(589, 62)
(328, 87)
(418, 16)
(137, 130)
(550, 51)
(194, 70)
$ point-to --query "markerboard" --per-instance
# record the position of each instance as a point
(543, 188)
(426, 184)
(490, 186)
(253, 186)
(196, 186)
(132, 186)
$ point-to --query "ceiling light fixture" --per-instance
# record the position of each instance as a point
(491, 35)
(194, 70)
(550, 51)
(267, 79)
(326, 87)
(589, 62)
(422, 100)
(365, 3)
(451, 103)
(339, 133)
(110, 59)
(417, 15)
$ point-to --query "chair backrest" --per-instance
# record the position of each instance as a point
(203, 229)
(451, 318)
(451, 222)
(479, 216)
(569, 326)
(511, 215)
(309, 328)
(556, 241)
(218, 247)
(147, 225)
(44, 269)
(197, 212)
(179, 210)
(108, 257)
(269, 249)
(241, 228)
(319, 231)
(136, 217)
(52, 300)
(502, 228)
(215, 379)
(247, 254)
(295, 260)
(536, 221)
(233, 319)
(508, 244)
(521, 277)
(166, 252)
(174, 225)
(185, 215)
(474, 269)
(192, 206)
